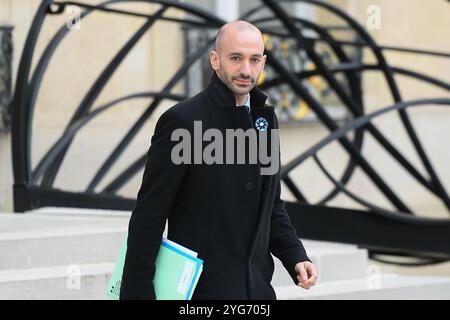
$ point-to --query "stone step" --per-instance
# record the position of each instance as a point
(62, 236)
(41, 247)
(373, 287)
(71, 282)
(89, 282)
(43, 239)
(334, 261)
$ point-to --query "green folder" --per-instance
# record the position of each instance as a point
(177, 272)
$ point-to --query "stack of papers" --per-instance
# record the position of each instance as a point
(177, 272)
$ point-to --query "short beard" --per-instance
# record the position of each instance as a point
(228, 81)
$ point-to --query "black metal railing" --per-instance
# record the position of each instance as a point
(394, 230)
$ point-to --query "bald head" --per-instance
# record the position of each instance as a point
(229, 29)
(238, 57)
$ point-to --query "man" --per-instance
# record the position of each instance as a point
(232, 215)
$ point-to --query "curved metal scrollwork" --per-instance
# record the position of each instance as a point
(340, 73)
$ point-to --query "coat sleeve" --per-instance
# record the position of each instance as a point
(284, 242)
(160, 182)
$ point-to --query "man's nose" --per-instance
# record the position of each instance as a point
(245, 68)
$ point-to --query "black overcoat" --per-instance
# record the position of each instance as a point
(230, 214)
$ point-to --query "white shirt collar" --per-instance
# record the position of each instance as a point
(247, 103)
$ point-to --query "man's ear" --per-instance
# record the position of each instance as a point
(264, 58)
(214, 59)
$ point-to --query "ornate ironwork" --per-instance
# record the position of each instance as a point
(389, 231)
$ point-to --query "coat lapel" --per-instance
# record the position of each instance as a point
(269, 182)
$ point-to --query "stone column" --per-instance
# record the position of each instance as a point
(6, 176)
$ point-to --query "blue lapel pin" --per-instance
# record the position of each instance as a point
(261, 124)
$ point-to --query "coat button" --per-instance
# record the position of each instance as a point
(248, 186)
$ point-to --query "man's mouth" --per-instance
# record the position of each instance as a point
(243, 81)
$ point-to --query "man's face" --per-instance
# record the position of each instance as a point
(240, 60)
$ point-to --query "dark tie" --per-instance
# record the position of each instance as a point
(247, 108)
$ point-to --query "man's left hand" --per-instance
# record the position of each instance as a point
(306, 274)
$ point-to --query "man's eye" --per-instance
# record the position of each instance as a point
(235, 58)
(256, 60)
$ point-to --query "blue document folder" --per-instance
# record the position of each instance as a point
(177, 272)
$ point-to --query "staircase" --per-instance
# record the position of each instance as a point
(64, 253)
(345, 273)
(58, 253)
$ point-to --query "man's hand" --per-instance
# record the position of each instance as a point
(306, 274)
